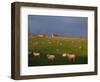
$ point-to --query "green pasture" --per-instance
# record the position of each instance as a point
(56, 46)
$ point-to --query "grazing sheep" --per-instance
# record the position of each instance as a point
(50, 57)
(71, 57)
(36, 54)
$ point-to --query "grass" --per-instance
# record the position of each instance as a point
(56, 46)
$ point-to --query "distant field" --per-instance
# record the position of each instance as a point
(56, 46)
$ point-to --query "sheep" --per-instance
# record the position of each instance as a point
(50, 57)
(71, 57)
(36, 54)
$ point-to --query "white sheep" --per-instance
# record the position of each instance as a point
(36, 54)
(71, 57)
(50, 57)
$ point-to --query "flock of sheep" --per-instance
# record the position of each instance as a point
(70, 57)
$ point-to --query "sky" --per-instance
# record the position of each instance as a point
(63, 25)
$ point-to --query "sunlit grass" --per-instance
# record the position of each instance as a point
(57, 46)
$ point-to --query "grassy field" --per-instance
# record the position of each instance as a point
(56, 46)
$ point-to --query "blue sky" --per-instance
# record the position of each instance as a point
(63, 25)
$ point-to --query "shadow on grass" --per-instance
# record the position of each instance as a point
(43, 61)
